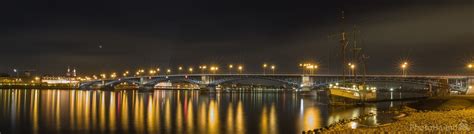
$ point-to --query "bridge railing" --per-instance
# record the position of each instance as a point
(296, 75)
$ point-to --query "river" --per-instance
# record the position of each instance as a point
(172, 111)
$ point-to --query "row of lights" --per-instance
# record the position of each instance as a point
(309, 67)
(305, 66)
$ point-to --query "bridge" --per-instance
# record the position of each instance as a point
(291, 81)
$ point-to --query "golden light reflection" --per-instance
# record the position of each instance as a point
(230, 120)
(94, 110)
(102, 112)
(213, 117)
(178, 116)
(268, 121)
(202, 118)
(58, 111)
(310, 119)
(139, 118)
(264, 121)
(112, 115)
(190, 117)
(72, 110)
(150, 116)
(35, 112)
(240, 119)
(167, 115)
(273, 120)
(157, 106)
(79, 115)
(124, 112)
(98, 111)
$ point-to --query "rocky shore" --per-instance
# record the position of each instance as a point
(453, 114)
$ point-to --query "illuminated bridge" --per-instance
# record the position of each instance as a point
(289, 81)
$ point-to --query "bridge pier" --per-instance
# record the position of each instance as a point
(146, 88)
(208, 88)
(306, 83)
(443, 88)
(470, 86)
(107, 87)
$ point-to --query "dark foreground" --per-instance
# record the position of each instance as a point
(453, 114)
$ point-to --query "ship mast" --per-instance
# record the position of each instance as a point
(356, 52)
(343, 43)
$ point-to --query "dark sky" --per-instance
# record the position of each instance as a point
(435, 35)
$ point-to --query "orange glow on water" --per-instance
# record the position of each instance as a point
(160, 112)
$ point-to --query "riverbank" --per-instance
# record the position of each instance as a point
(37, 87)
(453, 114)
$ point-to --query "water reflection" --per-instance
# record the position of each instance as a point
(164, 111)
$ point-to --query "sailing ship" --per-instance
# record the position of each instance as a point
(355, 91)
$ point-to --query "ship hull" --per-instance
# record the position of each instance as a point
(340, 96)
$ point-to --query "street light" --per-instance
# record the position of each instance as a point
(113, 75)
(404, 66)
(273, 69)
(103, 76)
(470, 67)
(152, 72)
(125, 74)
(190, 70)
(179, 69)
(168, 71)
(352, 69)
(214, 69)
(240, 68)
(311, 67)
(264, 68)
(230, 68)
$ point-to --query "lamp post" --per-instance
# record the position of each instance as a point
(264, 68)
(240, 68)
(404, 67)
(352, 69)
(190, 70)
(203, 68)
(230, 68)
(273, 69)
(113, 75)
(302, 68)
(470, 67)
(214, 69)
(125, 74)
(152, 72)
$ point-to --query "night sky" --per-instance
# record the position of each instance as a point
(104, 36)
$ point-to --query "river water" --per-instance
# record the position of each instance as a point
(172, 111)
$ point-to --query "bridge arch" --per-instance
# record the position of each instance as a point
(155, 81)
(287, 82)
(116, 82)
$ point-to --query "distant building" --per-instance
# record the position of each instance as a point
(59, 80)
(71, 74)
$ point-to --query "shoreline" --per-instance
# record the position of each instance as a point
(432, 115)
